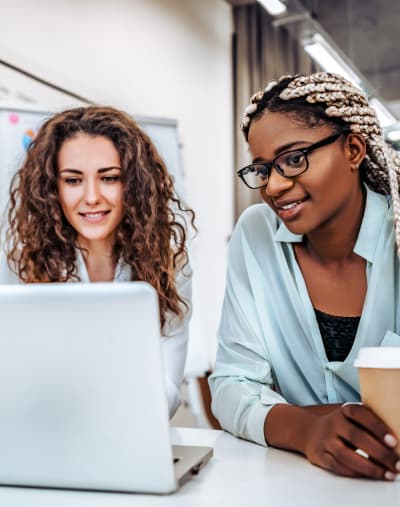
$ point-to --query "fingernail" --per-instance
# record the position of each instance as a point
(390, 440)
(389, 476)
(397, 466)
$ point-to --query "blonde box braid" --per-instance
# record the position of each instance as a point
(344, 102)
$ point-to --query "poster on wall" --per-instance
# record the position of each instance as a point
(17, 129)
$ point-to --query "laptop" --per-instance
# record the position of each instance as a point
(82, 398)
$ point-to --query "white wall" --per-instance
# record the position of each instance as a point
(164, 58)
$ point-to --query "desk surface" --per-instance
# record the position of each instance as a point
(240, 473)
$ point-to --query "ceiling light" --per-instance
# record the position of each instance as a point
(392, 135)
(274, 7)
(329, 59)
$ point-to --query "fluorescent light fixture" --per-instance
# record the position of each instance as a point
(385, 117)
(274, 7)
(393, 136)
(331, 61)
(327, 58)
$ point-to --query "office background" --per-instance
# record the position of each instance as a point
(183, 60)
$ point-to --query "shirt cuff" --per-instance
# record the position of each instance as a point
(255, 423)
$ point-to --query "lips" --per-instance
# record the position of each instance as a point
(286, 205)
(289, 209)
(94, 217)
(94, 214)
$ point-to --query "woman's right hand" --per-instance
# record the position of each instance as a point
(348, 440)
(352, 441)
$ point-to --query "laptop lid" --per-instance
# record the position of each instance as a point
(82, 402)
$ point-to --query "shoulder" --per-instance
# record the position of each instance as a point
(256, 226)
(256, 217)
(7, 275)
(183, 277)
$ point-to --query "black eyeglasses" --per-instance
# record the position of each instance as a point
(288, 164)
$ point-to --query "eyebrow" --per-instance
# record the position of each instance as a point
(282, 149)
(101, 170)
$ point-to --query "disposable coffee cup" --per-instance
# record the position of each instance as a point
(379, 373)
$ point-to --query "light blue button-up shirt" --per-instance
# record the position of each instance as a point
(270, 347)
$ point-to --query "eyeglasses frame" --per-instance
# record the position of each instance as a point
(305, 151)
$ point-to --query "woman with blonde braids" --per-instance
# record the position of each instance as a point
(313, 275)
(93, 202)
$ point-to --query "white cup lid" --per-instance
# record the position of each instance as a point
(378, 357)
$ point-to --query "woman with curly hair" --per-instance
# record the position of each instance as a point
(93, 201)
(313, 276)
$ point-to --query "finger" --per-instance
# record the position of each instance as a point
(357, 438)
(360, 465)
(333, 465)
(363, 416)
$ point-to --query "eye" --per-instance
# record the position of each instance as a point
(72, 180)
(261, 172)
(110, 179)
(294, 159)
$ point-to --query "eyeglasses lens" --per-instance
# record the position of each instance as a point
(288, 165)
(292, 163)
(256, 175)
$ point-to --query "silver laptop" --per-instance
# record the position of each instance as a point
(82, 399)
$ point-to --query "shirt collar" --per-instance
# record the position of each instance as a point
(376, 208)
(375, 213)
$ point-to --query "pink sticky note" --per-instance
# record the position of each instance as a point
(13, 118)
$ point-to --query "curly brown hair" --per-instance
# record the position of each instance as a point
(151, 237)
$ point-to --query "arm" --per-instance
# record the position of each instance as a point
(242, 382)
(175, 342)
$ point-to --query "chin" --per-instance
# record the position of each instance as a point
(297, 228)
(95, 237)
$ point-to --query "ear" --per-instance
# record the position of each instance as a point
(356, 149)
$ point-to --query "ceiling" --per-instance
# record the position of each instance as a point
(368, 33)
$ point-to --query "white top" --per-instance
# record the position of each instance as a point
(240, 473)
(270, 347)
(175, 331)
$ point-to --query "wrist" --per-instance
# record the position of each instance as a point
(289, 426)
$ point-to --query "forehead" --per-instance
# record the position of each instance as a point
(273, 130)
(84, 151)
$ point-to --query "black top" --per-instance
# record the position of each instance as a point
(337, 333)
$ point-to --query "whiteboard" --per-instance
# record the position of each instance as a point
(164, 134)
(18, 126)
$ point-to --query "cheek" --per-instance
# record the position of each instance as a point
(69, 197)
(264, 196)
(115, 194)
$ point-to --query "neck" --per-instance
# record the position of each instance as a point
(98, 258)
(335, 240)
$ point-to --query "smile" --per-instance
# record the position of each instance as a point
(290, 205)
(96, 214)
(94, 217)
(290, 209)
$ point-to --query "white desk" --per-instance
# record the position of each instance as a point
(240, 473)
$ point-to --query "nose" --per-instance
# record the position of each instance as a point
(277, 184)
(92, 193)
